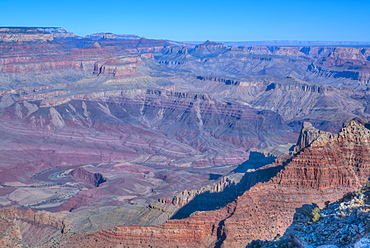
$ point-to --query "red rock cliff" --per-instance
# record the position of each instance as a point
(329, 166)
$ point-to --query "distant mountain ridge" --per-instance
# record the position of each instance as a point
(26, 34)
(107, 35)
(288, 43)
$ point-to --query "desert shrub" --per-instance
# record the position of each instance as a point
(277, 237)
(315, 214)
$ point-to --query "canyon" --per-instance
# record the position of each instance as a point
(323, 171)
(123, 140)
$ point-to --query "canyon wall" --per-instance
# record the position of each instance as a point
(29, 34)
(330, 166)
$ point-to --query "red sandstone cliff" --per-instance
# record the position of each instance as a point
(329, 166)
(323, 171)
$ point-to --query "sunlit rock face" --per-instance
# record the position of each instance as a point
(324, 227)
(32, 34)
(328, 167)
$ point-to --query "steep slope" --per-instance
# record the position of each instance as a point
(30, 227)
(325, 106)
(339, 66)
(340, 224)
(329, 166)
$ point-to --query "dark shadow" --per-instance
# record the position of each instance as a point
(256, 160)
(214, 176)
(99, 179)
(208, 201)
(301, 215)
(220, 234)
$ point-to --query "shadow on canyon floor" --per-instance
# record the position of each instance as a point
(208, 201)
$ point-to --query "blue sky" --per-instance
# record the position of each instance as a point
(232, 20)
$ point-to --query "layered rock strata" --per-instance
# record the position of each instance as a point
(323, 171)
(328, 167)
(330, 65)
(31, 227)
(340, 224)
(84, 175)
(10, 235)
(31, 34)
(156, 118)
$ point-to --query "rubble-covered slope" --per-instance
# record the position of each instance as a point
(343, 223)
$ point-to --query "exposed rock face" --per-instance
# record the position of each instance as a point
(308, 135)
(10, 235)
(289, 43)
(26, 34)
(333, 65)
(339, 224)
(121, 67)
(198, 231)
(331, 166)
(228, 188)
(156, 119)
(113, 36)
(40, 217)
(210, 45)
(30, 227)
(84, 175)
(185, 197)
(216, 79)
(323, 171)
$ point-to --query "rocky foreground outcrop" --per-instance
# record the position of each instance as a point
(30, 227)
(328, 167)
(344, 223)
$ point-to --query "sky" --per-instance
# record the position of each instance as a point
(232, 20)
